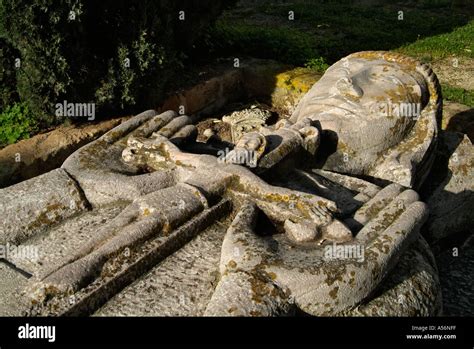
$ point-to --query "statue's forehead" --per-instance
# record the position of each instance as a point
(375, 69)
(353, 65)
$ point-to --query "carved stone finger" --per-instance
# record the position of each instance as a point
(301, 232)
(175, 125)
(185, 135)
(336, 231)
(242, 290)
(128, 126)
(311, 139)
(386, 216)
(154, 124)
(379, 201)
(157, 213)
(282, 143)
(368, 189)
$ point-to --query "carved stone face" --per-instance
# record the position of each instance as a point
(369, 105)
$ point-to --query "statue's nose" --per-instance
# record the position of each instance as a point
(347, 87)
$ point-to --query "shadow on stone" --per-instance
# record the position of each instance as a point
(462, 122)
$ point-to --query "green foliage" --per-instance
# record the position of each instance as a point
(325, 31)
(459, 95)
(16, 123)
(8, 92)
(79, 50)
(334, 29)
(459, 42)
(317, 64)
(283, 44)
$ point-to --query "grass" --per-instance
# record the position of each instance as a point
(459, 95)
(285, 44)
(322, 33)
(334, 29)
(459, 42)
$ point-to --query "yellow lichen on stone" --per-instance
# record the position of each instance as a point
(298, 79)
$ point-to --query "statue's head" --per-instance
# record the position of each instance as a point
(367, 103)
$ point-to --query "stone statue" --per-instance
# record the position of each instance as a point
(152, 168)
(192, 182)
(263, 275)
(379, 112)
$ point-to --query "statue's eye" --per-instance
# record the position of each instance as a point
(344, 83)
(342, 71)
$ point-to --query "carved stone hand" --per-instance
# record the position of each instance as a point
(269, 275)
(104, 177)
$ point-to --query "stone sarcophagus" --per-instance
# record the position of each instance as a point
(146, 220)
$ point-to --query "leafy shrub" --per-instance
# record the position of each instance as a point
(318, 64)
(119, 54)
(8, 93)
(16, 123)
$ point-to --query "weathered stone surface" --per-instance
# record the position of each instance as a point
(45, 152)
(352, 183)
(318, 283)
(411, 289)
(32, 206)
(244, 294)
(181, 285)
(65, 239)
(11, 286)
(379, 113)
(449, 191)
(312, 240)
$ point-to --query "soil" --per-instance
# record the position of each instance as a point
(455, 71)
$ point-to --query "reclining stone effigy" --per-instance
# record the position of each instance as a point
(147, 178)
